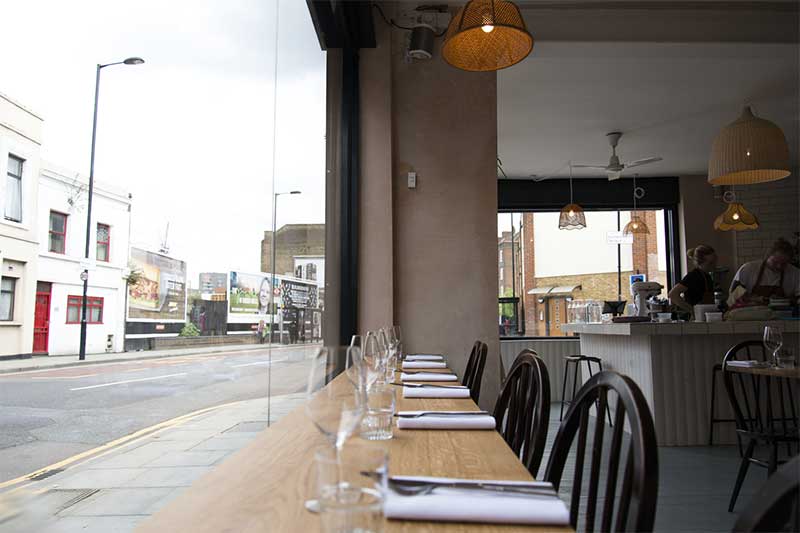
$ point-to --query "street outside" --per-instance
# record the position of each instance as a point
(47, 416)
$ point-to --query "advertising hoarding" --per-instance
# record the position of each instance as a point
(160, 296)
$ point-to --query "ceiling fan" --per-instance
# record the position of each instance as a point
(614, 168)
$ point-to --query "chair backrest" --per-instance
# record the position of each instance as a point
(776, 507)
(473, 375)
(522, 410)
(759, 403)
(639, 467)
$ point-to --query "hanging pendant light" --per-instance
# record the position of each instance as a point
(637, 224)
(487, 35)
(748, 150)
(736, 216)
(572, 215)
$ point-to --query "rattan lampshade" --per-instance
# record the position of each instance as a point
(748, 150)
(572, 217)
(636, 225)
(487, 35)
(736, 218)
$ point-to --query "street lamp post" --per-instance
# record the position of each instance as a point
(85, 274)
(272, 295)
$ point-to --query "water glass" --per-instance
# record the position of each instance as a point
(351, 486)
(377, 422)
(773, 340)
(785, 358)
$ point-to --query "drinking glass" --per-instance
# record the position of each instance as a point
(351, 486)
(374, 359)
(399, 339)
(377, 421)
(786, 358)
(335, 411)
(773, 340)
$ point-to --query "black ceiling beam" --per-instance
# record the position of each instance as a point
(343, 23)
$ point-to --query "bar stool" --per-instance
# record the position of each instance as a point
(575, 361)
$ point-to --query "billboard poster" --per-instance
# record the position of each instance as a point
(160, 296)
(249, 294)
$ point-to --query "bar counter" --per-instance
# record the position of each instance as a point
(672, 363)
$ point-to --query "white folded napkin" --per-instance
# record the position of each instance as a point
(424, 364)
(745, 364)
(428, 376)
(424, 357)
(454, 505)
(435, 392)
(445, 421)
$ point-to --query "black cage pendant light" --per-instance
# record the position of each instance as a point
(572, 215)
(487, 35)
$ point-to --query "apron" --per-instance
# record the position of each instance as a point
(708, 291)
(767, 291)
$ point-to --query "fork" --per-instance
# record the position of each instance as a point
(423, 488)
(441, 413)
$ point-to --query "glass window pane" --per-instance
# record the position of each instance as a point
(13, 207)
(56, 243)
(102, 252)
(102, 233)
(57, 222)
(74, 313)
(95, 314)
(15, 166)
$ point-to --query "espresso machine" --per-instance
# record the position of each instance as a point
(641, 291)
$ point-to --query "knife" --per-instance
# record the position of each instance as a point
(428, 385)
(441, 413)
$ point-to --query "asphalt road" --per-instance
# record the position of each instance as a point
(47, 416)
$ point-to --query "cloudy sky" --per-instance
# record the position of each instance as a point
(190, 132)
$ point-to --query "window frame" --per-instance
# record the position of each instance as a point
(13, 293)
(50, 232)
(91, 302)
(107, 243)
(9, 174)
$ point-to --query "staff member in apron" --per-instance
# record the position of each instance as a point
(774, 277)
(696, 287)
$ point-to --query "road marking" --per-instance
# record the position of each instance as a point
(110, 447)
(67, 377)
(261, 363)
(127, 381)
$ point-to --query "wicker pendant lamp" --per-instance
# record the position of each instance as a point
(637, 224)
(736, 217)
(748, 150)
(487, 35)
(572, 215)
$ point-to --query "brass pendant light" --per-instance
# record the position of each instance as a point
(487, 35)
(736, 217)
(572, 215)
(748, 150)
(637, 224)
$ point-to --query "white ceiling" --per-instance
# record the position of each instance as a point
(668, 98)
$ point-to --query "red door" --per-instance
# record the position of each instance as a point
(41, 322)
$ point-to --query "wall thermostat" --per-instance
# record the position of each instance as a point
(412, 180)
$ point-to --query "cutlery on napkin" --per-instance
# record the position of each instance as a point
(450, 503)
(434, 391)
(427, 376)
(424, 357)
(445, 420)
(424, 364)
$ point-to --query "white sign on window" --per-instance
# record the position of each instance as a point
(618, 237)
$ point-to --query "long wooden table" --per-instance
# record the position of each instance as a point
(263, 486)
(789, 373)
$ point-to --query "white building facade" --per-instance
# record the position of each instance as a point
(62, 239)
(20, 143)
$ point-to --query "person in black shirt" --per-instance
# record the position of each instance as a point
(697, 287)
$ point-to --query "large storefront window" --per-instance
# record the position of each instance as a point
(548, 277)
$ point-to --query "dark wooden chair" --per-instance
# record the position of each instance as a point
(522, 410)
(776, 507)
(765, 414)
(636, 502)
(473, 374)
(750, 350)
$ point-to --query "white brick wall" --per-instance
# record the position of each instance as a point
(777, 206)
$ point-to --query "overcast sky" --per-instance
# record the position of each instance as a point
(189, 133)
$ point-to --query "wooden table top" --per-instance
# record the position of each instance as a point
(263, 486)
(791, 373)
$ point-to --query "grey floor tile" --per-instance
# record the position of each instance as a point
(105, 478)
(188, 458)
(136, 457)
(95, 524)
(228, 444)
(120, 502)
(168, 477)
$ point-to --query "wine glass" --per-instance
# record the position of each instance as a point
(335, 411)
(773, 340)
(374, 358)
(399, 340)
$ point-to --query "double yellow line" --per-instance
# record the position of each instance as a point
(107, 448)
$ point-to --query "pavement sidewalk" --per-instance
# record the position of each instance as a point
(117, 489)
(44, 362)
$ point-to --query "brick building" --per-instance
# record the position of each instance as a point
(292, 240)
